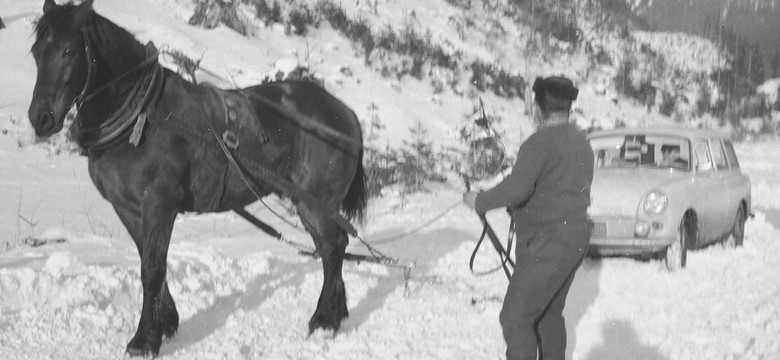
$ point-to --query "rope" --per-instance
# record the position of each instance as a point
(377, 256)
(404, 234)
(385, 240)
(380, 241)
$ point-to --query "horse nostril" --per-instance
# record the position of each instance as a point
(44, 126)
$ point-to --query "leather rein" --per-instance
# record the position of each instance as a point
(503, 254)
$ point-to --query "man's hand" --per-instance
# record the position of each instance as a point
(470, 198)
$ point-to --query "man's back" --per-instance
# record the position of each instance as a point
(549, 190)
(562, 191)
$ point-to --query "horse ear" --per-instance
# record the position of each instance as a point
(84, 9)
(48, 5)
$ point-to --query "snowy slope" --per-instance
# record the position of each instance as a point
(242, 295)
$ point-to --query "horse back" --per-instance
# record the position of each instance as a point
(313, 158)
(310, 100)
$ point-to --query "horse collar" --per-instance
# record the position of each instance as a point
(85, 96)
(132, 111)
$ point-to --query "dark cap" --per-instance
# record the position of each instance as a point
(557, 86)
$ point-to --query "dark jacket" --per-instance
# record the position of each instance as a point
(550, 181)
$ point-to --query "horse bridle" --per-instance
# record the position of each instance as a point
(86, 95)
(80, 99)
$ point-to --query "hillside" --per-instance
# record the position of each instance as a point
(403, 65)
(441, 57)
(424, 72)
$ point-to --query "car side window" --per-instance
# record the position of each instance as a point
(702, 152)
(718, 154)
(731, 155)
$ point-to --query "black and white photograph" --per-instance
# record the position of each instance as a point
(390, 179)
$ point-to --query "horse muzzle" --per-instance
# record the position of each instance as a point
(44, 121)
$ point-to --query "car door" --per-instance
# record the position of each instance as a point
(737, 184)
(723, 223)
(709, 193)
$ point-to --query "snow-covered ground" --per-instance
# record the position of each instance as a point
(241, 294)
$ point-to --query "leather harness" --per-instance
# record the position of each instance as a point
(135, 107)
(138, 104)
(234, 117)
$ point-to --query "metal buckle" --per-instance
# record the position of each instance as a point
(230, 139)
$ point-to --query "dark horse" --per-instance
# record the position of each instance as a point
(147, 135)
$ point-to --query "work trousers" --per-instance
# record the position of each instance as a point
(532, 315)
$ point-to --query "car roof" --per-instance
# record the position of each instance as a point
(690, 133)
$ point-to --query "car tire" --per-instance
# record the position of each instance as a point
(737, 236)
(676, 256)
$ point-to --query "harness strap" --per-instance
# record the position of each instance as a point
(234, 118)
(312, 252)
(277, 182)
(258, 223)
(233, 124)
(84, 96)
(133, 110)
(503, 254)
(90, 70)
(337, 139)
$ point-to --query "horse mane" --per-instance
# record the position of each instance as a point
(115, 45)
(118, 47)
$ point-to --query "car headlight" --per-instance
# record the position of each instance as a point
(655, 202)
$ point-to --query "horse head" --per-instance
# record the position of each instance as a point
(86, 60)
(61, 57)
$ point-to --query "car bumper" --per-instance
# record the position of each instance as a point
(611, 235)
(628, 247)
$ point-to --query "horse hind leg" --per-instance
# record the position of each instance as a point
(331, 242)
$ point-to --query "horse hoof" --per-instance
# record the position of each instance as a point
(169, 332)
(171, 325)
(322, 335)
(142, 349)
(325, 322)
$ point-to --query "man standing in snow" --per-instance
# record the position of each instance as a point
(549, 193)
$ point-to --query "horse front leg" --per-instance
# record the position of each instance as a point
(151, 230)
(331, 242)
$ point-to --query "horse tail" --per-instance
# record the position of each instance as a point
(354, 204)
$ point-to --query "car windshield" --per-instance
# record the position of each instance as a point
(641, 150)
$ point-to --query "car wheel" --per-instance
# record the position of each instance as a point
(677, 253)
(737, 236)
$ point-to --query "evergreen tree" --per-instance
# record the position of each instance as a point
(379, 164)
(418, 157)
(374, 128)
